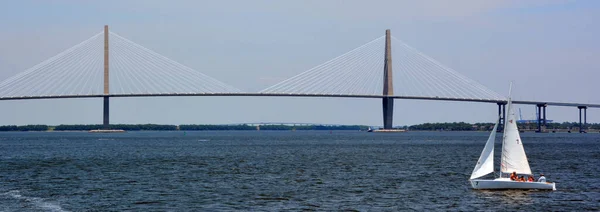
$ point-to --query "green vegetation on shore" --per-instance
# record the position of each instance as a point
(454, 126)
(163, 127)
(462, 126)
(272, 127)
(24, 128)
(127, 127)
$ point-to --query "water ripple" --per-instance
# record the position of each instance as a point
(274, 171)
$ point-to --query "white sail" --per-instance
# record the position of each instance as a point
(513, 153)
(513, 159)
(485, 164)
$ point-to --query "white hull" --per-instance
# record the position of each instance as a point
(507, 184)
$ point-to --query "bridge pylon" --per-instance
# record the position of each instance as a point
(388, 84)
(105, 121)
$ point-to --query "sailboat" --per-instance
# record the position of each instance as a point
(513, 160)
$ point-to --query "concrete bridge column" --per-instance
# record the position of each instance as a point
(541, 117)
(582, 126)
(388, 112)
(501, 115)
(105, 121)
(388, 84)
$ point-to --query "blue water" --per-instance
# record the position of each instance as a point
(274, 171)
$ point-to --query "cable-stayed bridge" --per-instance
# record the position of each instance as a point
(109, 65)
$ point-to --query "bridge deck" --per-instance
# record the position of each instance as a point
(565, 104)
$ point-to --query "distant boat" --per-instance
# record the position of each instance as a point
(513, 160)
(107, 131)
(390, 130)
(385, 130)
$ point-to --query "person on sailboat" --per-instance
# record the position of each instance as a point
(542, 179)
(513, 176)
(521, 179)
(530, 179)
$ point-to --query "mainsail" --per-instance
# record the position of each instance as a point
(513, 154)
(485, 164)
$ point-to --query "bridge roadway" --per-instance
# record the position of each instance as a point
(565, 104)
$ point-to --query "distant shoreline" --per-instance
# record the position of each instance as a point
(408, 131)
(161, 127)
(426, 127)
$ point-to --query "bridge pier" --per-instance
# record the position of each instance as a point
(582, 126)
(501, 115)
(541, 117)
(105, 121)
(388, 112)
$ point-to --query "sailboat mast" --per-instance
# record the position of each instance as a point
(504, 128)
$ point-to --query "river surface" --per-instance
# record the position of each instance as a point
(275, 171)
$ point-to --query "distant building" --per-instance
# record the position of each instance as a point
(521, 121)
(531, 121)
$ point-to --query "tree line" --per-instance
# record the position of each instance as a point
(271, 127)
(127, 127)
(37, 127)
(164, 127)
(462, 126)
(447, 126)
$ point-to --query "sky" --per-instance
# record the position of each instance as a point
(549, 49)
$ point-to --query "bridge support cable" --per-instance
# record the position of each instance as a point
(134, 69)
(146, 71)
(68, 73)
(420, 75)
(423, 82)
(358, 72)
(351, 73)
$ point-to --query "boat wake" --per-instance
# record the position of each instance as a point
(36, 202)
(106, 139)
